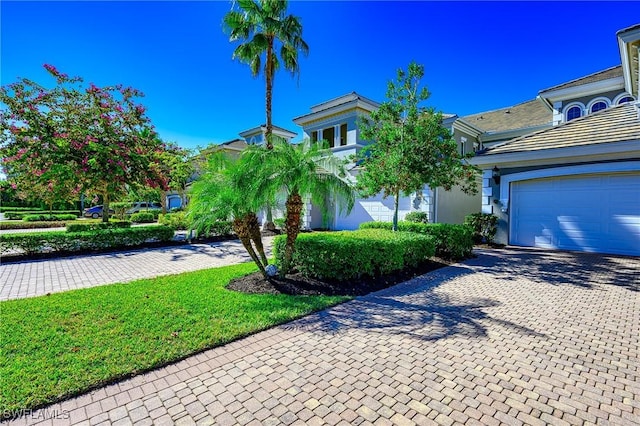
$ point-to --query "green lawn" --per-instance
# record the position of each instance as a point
(59, 345)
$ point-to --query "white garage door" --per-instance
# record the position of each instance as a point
(594, 213)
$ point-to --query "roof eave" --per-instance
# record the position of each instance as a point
(627, 150)
(588, 89)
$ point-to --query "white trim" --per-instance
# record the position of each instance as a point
(626, 38)
(565, 110)
(621, 96)
(577, 153)
(505, 183)
(588, 89)
(594, 101)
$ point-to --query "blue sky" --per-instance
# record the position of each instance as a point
(478, 56)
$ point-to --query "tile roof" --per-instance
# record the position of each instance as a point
(527, 114)
(617, 124)
(612, 72)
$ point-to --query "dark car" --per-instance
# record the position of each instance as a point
(96, 212)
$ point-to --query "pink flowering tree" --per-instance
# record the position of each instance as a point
(72, 139)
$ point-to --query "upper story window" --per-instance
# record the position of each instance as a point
(574, 112)
(625, 100)
(343, 134)
(600, 105)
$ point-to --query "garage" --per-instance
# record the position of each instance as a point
(593, 213)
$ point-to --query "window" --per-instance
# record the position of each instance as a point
(600, 105)
(314, 136)
(574, 112)
(625, 100)
(343, 134)
(329, 134)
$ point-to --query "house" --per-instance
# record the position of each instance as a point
(568, 176)
(233, 148)
(256, 135)
(336, 121)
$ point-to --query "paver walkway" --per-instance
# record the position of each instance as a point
(513, 337)
(35, 278)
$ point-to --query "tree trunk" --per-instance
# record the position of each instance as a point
(268, 223)
(269, 92)
(105, 207)
(163, 201)
(396, 203)
(240, 228)
(292, 228)
(253, 227)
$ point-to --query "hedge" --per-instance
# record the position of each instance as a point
(347, 255)
(143, 217)
(20, 215)
(217, 228)
(45, 242)
(176, 220)
(48, 217)
(453, 242)
(95, 226)
(5, 224)
(19, 209)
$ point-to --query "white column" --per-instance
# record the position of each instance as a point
(487, 191)
(306, 215)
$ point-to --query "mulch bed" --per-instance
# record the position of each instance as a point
(297, 284)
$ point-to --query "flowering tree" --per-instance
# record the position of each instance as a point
(72, 139)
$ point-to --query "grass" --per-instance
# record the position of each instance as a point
(57, 346)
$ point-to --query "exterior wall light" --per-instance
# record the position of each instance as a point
(496, 175)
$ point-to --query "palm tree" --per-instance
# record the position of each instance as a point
(225, 190)
(307, 169)
(260, 25)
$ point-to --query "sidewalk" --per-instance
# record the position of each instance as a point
(39, 277)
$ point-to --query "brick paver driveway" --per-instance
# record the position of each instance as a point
(513, 336)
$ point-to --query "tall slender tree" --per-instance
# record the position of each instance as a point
(262, 26)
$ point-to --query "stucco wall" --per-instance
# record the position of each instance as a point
(452, 206)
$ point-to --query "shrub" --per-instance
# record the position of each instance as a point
(48, 217)
(452, 241)
(143, 217)
(5, 224)
(44, 242)
(176, 220)
(15, 215)
(419, 217)
(484, 226)
(215, 229)
(347, 255)
(279, 222)
(94, 226)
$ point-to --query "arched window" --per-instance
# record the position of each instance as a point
(574, 112)
(600, 105)
(625, 100)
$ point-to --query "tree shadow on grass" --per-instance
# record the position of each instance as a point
(586, 270)
(414, 309)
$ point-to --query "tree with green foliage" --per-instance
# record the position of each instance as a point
(409, 147)
(72, 139)
(261, 26)
(301, 171)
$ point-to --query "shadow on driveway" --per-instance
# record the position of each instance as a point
(584, 270)
(415, 309)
